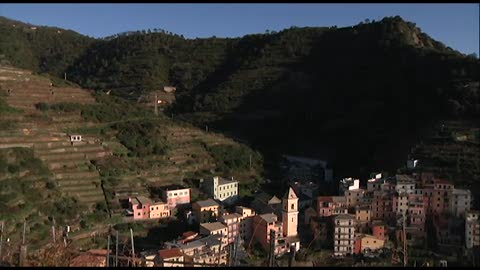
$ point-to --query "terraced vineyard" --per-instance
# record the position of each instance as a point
(101, 167)
(70, 163)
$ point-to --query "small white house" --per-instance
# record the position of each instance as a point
(75, 138)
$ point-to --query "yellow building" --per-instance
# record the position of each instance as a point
(363, 214)
(368, 242)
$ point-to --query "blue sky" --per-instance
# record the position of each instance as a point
(456, 25)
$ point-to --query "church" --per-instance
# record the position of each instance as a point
(286, 234)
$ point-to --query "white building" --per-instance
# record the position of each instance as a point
(344, 235)
(222, 189)
(460, 202)
(348, 184)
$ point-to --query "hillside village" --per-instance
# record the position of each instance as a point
(410, 218)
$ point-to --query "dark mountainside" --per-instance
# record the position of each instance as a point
(358, 96)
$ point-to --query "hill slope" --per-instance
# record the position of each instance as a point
(359, 96)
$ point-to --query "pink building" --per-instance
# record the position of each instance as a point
(144, 208)
(233, 222)
(416, 211)
(327, 205)
(140, 206)
(263, 224)
(380, 230)
(175, 195)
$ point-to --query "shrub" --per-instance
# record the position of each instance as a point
(42, 106)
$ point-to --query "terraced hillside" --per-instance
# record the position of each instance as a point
(126, 149)
(70, 163)
(188, 156)
(453, 152)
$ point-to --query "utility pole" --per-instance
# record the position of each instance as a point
(271, 258)
(220, 248)
(23, 248)
(404, 242)
(1, 240)
(156, 104)
(24, 230)
(133, 247)
(108, 251)
(292, 256)
(53, 234)
(65, 76)
(116, 251)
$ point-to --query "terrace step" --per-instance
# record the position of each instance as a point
(75, 175)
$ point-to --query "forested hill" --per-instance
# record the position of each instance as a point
(40, 48)
(357, 95)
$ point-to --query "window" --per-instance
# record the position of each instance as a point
(293, 206)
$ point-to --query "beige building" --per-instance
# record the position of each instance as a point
(344, 234)
(206, 211)
(215, 228)
(354, 197)
(208, 250)
(223, 190)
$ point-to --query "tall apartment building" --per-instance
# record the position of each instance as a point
(472, 229)
(246, 222)
(460, 202)
(344, 234)
(233, 223)
(223, 190)
(354, 197)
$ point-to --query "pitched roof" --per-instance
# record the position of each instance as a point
(290, 194)
(207, 203)
(189, 234)
(269, 217)
(170, 253)
(325, 198)
(274, 200)
(143, 200)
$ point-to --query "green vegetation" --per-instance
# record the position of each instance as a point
(40, 49)
(372, 89)
(141, 137)
(234, 157)
(32, 196)
(4, 108)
